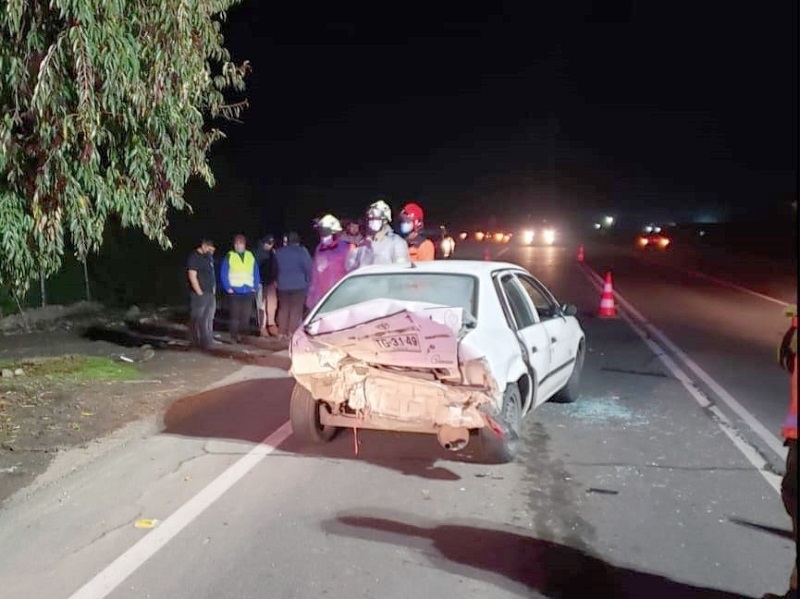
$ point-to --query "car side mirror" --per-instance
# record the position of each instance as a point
(569, 309)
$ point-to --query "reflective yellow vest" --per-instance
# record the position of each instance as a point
(240, 270)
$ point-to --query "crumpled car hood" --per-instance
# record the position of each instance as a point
(392, 347)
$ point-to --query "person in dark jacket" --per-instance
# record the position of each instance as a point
(293, 264)
(268, 292)
(202, 290)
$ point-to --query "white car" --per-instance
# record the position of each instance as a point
(452, 348)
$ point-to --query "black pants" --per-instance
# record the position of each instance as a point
(789, 496)
(240, 306)
(291, 305)
(201, 319)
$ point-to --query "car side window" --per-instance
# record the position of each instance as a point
(518, 302)
(545, 306)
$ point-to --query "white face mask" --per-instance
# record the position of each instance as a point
(326, 240)
(375, 225)
(406, 228)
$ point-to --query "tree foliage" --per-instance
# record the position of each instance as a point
(105, 108)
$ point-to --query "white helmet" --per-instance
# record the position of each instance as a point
(381, 210)
(330, 223)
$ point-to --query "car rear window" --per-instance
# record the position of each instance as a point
(436, 288)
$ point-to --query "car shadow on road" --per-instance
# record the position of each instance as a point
(510, 559)
(244, 411)
(407, 453)
(250, 410)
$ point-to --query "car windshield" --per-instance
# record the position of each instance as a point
(436, 288)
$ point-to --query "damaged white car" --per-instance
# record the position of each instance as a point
(458, 349)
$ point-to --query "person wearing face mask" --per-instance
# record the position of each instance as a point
(330, 257)
(420, 248)
(240, 279)
(381, 245)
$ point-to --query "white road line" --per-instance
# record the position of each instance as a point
(720, 282)
(127, 563)
(763, 432)
(723, 283)
(646, 331)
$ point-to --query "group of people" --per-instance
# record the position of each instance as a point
(287, 281)
(284, 282)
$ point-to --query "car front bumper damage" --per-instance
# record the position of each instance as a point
(389, 366)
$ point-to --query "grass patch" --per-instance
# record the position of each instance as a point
(75, 368)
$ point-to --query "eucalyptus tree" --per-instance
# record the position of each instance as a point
(108, 108)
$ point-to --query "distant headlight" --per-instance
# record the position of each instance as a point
(462, 236)
(498, 237)
(549, 236)
(527, 237)
(480, 235)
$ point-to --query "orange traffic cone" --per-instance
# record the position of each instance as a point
(580, 254)
(608, 308)
(486, 254)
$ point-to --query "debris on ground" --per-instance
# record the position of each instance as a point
(84, 371)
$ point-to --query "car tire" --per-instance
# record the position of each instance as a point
(502, 450)
(570, 392)
(304, 416)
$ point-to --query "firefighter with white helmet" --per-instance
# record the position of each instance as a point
(381, 244)
(330, 257)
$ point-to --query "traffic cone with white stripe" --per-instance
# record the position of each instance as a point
(580, 254)
(608, 309)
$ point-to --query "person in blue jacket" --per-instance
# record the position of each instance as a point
(294, 277)
(240, 278)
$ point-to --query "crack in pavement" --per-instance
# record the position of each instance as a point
(128, 522)
(637, 372)
(551, 498)
(666, 466)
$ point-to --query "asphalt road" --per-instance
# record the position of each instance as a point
(635, 490)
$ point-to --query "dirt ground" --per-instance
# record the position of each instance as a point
(43, 414)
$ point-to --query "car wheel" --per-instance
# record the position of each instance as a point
(569, 392)
(304, 416)
(502, 450)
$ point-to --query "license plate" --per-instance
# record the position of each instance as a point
(399, 342)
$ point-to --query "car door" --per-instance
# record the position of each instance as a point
(562, 346)
(533, 337)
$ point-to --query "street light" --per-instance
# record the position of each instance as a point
(608, 220)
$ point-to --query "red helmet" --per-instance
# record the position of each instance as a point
(414, 213)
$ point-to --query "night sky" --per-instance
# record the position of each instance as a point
(648, 110)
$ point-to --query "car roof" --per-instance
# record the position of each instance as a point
(466, 267)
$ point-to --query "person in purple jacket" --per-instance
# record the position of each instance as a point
(329, 259)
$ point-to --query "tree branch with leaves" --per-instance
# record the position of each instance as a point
(104, 111)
